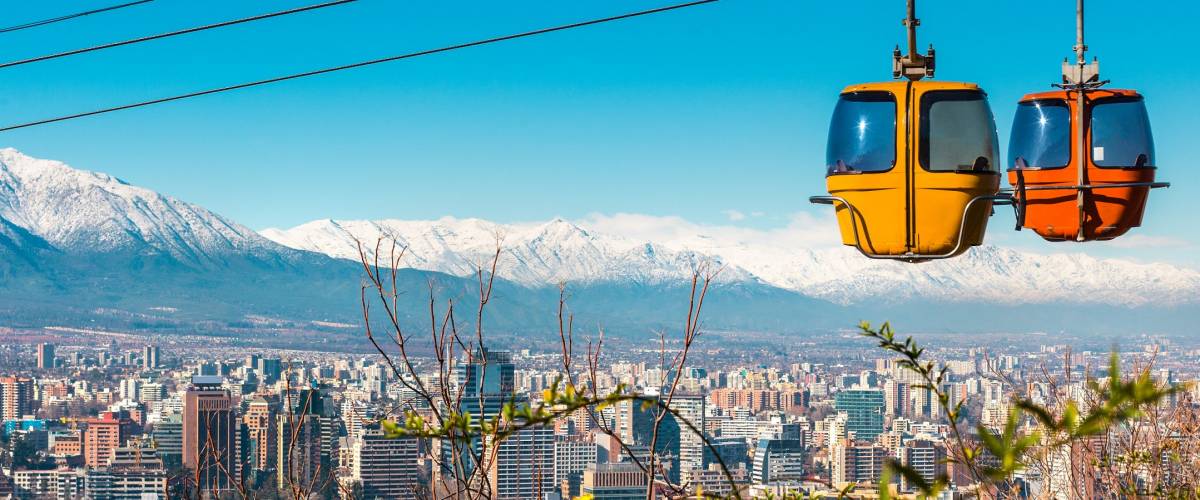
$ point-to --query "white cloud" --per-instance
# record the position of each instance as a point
(734, 215)
(1145, 241)
(802, 231)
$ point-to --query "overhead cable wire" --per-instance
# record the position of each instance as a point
(174, 33)
(53, 20)
(371, 62)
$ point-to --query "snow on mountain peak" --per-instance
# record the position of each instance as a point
(89, 211)
(541, 254)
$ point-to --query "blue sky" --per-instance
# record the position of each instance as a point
(697, 113)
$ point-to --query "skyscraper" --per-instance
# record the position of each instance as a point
(168, 439)
(306, 440)
(924, 457)
(864, 412)
(210, 434)
(16, 397)
(485, 381)
(691, 444)
(260, 442)
(386, 467)
(102, 436)
(523, 466)
(780, 458)
(150, 359)
(45, 356)
(571, 457)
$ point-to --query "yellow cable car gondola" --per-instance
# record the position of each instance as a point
(1081, 159)
(912, 164)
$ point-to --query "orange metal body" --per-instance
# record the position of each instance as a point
(1107, 213)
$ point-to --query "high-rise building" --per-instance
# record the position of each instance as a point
(614, 481)
(45, 356)
(270, 369)
(261, 439)
(864, 412)
(168, 439)
(484, 381)
(571, 457)
(210, 434)
(523, 464)
(856, 462)
(134, 473)
(896, 399)
(925, 457)
(306, 442)
(16, 397)
(779, 458)
(386, 467)
(103, 435)
(150, 357)
(691, 443)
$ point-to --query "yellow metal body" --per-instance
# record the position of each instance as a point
(909, 210)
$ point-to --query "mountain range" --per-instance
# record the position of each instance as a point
(85, 248)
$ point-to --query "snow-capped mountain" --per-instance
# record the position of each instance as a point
(547, 253)
(85, 248)
(78, 210)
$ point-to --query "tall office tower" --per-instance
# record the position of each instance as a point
(45, 356)
(356, 415)
(637, 428)
(779, 458)
(485, 382)
(261, 439)
(210, 435)
(897, 401)
(150, 359)
(925, 457)
(152, 392)
(614, 481)
(16, 397)
(131, 389)
(733, 451)
(168, 439)
(571, 457)
(691, 444)
(864, 412)
(523, 464)
(270, 369)
(386, 467)
(103, 435)
(307, 437)
(856, 462)
(925, 403)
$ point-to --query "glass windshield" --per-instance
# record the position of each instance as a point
(957, 132)
(1121, 134)
(1041, 135)
(862, 134)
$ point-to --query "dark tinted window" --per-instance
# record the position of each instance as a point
(957, 132)
(1121, 134)
(1041, 135)
(862, 133)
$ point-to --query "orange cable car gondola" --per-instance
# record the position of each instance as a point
(912, 164)
(1081, 159)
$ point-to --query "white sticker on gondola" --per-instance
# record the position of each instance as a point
(1098, 153)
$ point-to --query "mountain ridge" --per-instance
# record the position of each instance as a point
(534, 256)
(80, 248)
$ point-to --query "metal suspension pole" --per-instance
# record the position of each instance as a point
(912, 65)
(1081, 124)
(911, 22)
